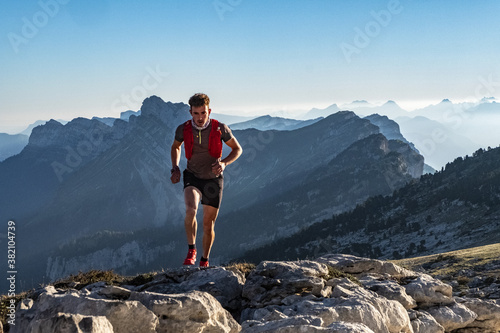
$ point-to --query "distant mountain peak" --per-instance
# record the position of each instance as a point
(152, 106)
(129, 113)
(446, 100)
(51, 124)
(167, 112)
(345, 114)
(490, 99)
(392, 104)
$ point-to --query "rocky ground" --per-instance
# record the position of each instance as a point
(334, 293)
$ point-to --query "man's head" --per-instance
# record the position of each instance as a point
(199, 107)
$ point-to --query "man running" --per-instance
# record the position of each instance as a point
(203, 179)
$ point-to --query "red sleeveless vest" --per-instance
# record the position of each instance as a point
(214, 141)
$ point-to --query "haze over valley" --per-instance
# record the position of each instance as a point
(95, 193)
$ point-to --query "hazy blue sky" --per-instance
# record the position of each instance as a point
(69, 58)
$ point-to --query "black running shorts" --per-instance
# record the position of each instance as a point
(211, 189)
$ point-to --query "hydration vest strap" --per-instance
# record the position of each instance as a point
(214, 141)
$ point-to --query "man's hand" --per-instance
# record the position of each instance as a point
(218, 167)
(175, 175)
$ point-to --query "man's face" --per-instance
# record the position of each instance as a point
(200, 114)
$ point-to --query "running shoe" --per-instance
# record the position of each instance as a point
(203, 263)
(191, 257)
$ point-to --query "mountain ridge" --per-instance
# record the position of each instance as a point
(456, 207)
(121, 187)
(333, 187)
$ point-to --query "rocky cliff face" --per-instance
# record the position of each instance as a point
(334, 293)
(54, 153)
(121, 258)
(328, 184)
(389, 128)
(75, 133)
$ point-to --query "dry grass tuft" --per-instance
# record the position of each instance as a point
(334, 273)
(454, 262)
(243, 267)
(81, 280)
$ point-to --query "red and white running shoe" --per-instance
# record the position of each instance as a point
(191, 257)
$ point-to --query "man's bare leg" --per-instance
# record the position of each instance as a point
(209, 216)
(191, 198)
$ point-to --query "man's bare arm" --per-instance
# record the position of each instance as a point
(236, 152)
(175, 155)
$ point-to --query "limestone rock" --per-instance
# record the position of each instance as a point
(124, 316)
(303, 324)
(453, 317)
(475, 330)
(193, 311)
(340, 327)
(354, 306)
(114, 292)
(270, 282)
(362, 266)
(226, 286)
(71, 323)
(26, 304)
(387, 315)
(282, 297)
(423, 322)
(286, 324)
(488, 314)
(426, 290)
(390, 289)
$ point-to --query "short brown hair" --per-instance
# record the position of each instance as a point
(199, 100)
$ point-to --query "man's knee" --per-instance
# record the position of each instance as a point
(208, 227)
(208, 224)
(191, 211)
